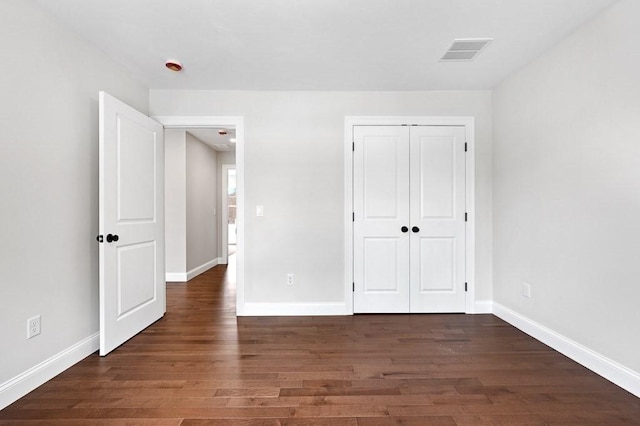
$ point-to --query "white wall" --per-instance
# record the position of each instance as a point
(202, 190)
(175, 200)
(49, 185)
(226, 157)
(294, 166)
(567, 187)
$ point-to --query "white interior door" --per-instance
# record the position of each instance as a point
(132, 284)
(437, 253)
(409, 219)
(381, 210)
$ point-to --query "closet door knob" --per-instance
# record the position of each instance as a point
(415, 229)
(112, 238)
(404, 229)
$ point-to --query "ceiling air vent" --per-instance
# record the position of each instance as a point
(465, 49)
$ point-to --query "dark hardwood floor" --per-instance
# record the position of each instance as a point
(200, 365)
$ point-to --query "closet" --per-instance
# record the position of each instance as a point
(409, 218)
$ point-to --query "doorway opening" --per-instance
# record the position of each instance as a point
(237, 124)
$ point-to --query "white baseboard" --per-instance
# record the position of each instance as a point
(483, 307)
(293, 309)
(599, 364)
(183, 277)
(202, 268)
(17, 387)
(306, 309)
(176, 277)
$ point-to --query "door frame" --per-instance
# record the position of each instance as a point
(224, 214)
(469, 124)
(237, 122)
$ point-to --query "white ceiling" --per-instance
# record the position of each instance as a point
(214, 139)
(321, 44)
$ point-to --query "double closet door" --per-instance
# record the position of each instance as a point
(409, 219)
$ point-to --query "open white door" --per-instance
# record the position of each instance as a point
(132, 275)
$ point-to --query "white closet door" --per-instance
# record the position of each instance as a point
(381, 209)
(437, 253)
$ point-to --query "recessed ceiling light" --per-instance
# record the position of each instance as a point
(465, 49)
(173, 65)
(232, 140)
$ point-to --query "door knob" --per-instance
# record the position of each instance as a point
(112, 238)
(414, 229)
(404, 229)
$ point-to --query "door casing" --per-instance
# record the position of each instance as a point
(469, 124)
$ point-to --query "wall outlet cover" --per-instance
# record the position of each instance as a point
(33, 326)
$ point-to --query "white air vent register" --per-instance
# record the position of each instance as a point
(465, 49)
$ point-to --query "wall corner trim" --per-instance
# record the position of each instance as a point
(17, 387)
(622, 376)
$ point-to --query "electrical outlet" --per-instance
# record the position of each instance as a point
(526, 290)
(289, 279)
(33, 327)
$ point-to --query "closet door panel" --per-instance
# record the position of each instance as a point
(437, 255)
(381, 209)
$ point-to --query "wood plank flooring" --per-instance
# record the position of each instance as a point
(200, 365)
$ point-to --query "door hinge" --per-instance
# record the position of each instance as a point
(465, 286)
(353, 146)
(465, 147)
(353, 287)
(100, 239)
(353, 217)
(465, 216)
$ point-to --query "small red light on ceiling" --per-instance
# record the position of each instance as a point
(173, 65)
(222, 132)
